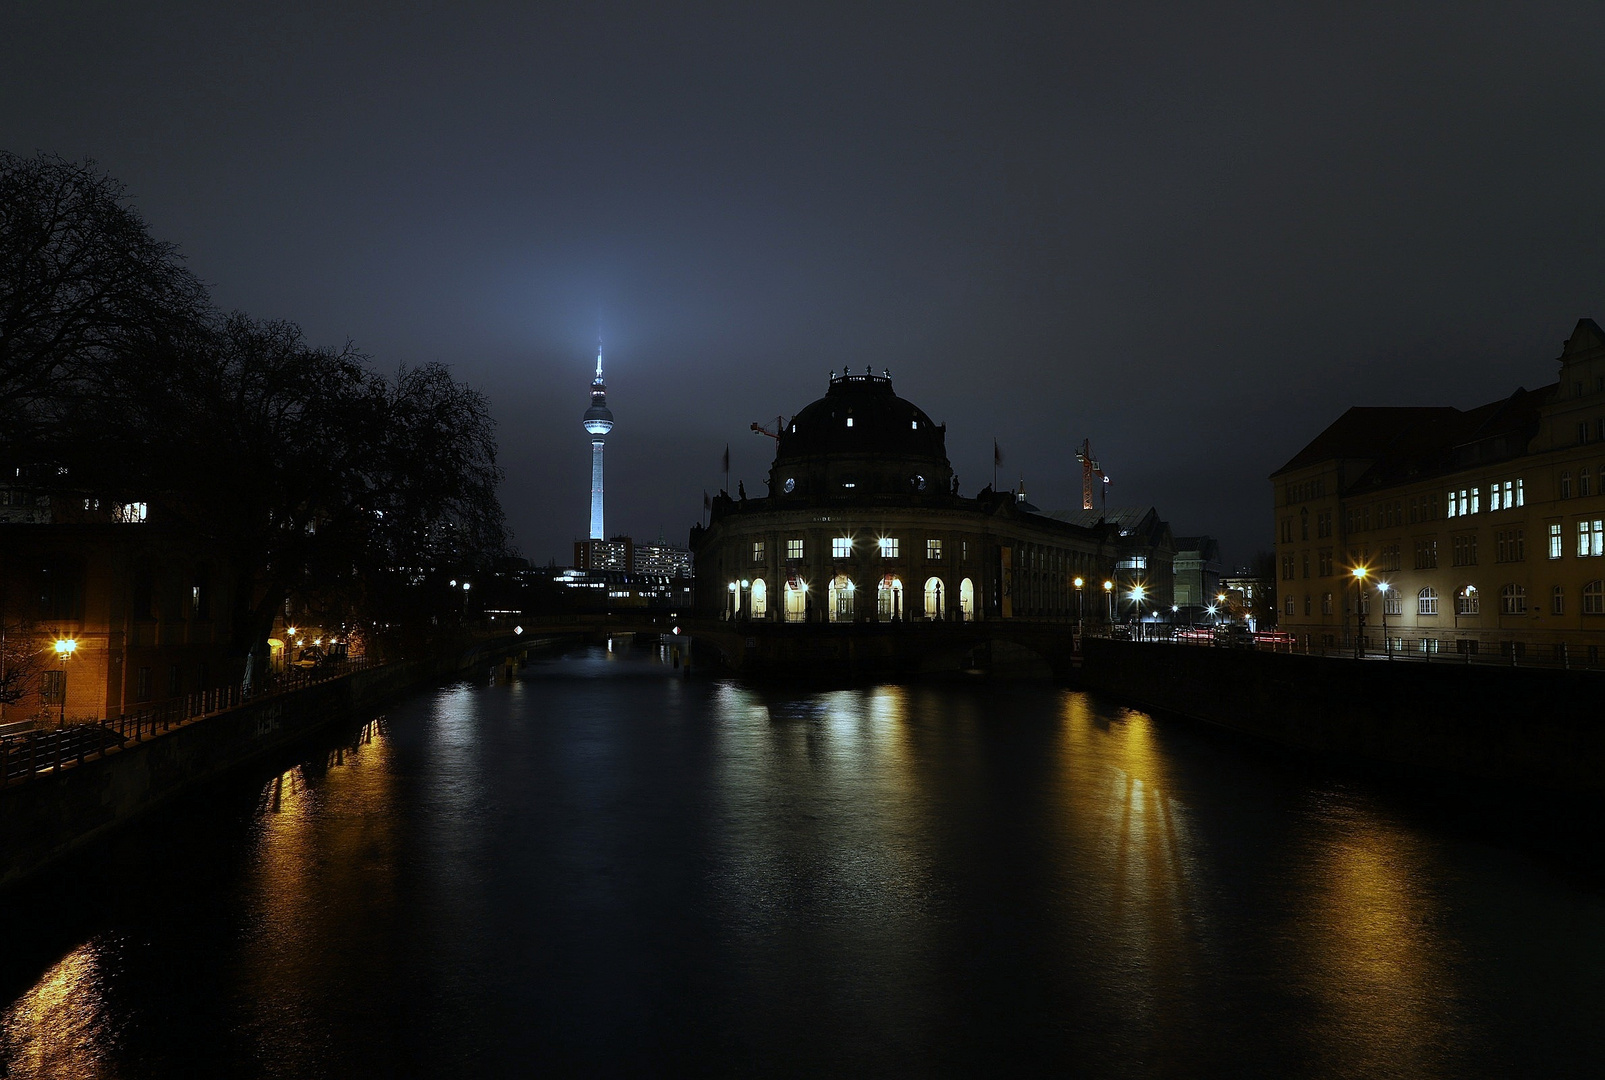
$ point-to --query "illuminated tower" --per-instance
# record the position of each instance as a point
(598, 421)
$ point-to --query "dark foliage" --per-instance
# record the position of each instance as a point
(300, 467)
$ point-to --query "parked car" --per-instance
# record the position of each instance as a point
(1234, 636)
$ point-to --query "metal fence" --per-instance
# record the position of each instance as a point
(27, 755)
(1406, 650)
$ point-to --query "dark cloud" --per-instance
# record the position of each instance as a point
(1192, 233)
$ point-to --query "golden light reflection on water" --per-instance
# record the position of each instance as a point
(1371, 948)
(59, 1028)
(1134, 861)
(321, 874)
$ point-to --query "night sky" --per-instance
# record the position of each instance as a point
(1195, 234)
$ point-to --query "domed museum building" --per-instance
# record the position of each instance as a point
(864, 523)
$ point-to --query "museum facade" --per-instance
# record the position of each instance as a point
(863, 523)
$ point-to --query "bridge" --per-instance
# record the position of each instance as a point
(842, 650)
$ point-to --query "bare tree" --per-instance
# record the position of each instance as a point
(21, 660)
(82, 282)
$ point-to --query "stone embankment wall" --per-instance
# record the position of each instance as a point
(1540, 728)
(57, 812)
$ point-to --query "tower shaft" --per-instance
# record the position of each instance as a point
(596, 490)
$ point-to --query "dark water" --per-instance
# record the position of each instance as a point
(603, 868)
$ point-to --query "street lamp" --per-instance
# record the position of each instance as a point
(1387, 646)
(1080, 614)
(1359, 611)
(65, 647)
(1109, 594)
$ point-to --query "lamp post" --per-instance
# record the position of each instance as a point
(1136, 594)
(1080, 613)
(1109, 594)
(1360, 612)
(65, 647)
(1387, 646)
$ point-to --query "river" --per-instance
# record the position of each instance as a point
(602, 867)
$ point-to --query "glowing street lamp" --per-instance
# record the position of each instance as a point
(1359, 611)
(65, 647)
(1387, 646)
(1080, 613)
(1109, 595)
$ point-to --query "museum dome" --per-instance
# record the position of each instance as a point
(861, 438)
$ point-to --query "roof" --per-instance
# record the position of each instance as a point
(1400, 443)
(860, 414)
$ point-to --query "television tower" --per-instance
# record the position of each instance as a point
(598, 421)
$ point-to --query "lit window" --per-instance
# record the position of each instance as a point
(933, 549)
(757, 551)
(1427, 601)
(130, 513)
(849, 421)
(794, 549)
(841, 547)
(1590, 538)
(1554, 542)
(1467, 601)
(1493, 497)
(914, 425)
(888, 546)
(1521, 497)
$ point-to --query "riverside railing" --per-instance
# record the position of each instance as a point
(1408, 650)
(27, 755)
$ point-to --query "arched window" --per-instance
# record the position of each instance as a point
(1583, 488)
(841, 599)
(1557, 600)
(889, 598)
(1427, 601)
(1513, 600)
(1467, 601)
(1594, 598)
(796, 601)
(760, 599)
(1565, 485)
(934, 598)
(967, 600)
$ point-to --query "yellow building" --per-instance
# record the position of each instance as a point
(1476, 531)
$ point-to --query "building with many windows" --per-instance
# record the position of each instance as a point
(103, 608)
(863, 523)
(1474, 530)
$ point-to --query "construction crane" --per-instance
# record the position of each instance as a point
(1089, 469)
(780, 425)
